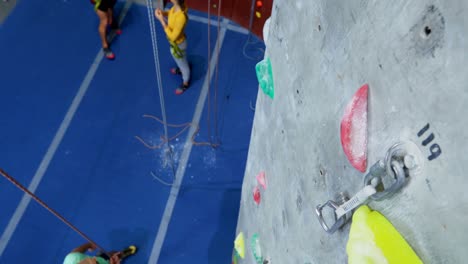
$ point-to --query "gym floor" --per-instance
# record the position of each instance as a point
(69, 118)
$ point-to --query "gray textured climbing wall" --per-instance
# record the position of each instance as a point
(413, 55)
(6, 6)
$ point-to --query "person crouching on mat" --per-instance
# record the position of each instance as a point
(176, 21)
(105, 11)
(78, 256)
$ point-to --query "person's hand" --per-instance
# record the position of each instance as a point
(92, 247)
(115, 259)
(158, 13)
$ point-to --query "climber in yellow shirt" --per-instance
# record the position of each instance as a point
(177, 19)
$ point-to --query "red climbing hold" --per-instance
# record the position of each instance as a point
(256, 195)
(259, 4)
(261, 179)
(354, 129)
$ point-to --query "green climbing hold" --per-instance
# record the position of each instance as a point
(256, 250)
(235, 257)
(265, 77)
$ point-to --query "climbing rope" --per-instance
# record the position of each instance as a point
(55, 213)
(154, 42)
(208, 112)
(166, 139)
(214, 143)
(216, 74)
(249, 36)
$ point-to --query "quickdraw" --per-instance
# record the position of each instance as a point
(384, 178)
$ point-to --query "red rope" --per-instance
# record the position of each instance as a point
(21, 187)
(217, 70)
(208, 73)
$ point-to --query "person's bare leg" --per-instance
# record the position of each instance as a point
(103, 22)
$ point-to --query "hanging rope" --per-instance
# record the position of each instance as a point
(154, 42)
(249, 36)
(43, 204)
(213, 143)
(218, 47)
(166, 139)
(208, 112)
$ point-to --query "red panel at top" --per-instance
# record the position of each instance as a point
(238, 11)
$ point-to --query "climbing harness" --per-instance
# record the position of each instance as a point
(385, 178)
(96, 4)
(176, 51)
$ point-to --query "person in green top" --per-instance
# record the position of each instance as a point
(78, 256)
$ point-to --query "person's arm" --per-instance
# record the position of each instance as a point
(163, 22)
(162, 12)
(83, 248)
(160, 16)
(174, 33)
(116, 258)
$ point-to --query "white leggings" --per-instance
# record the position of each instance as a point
(182, 63)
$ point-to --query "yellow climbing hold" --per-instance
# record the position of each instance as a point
(373, 239)
(258, 14)
(239, 245)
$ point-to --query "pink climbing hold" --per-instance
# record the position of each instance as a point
(354, 130)
(256, 195)
(261, 179)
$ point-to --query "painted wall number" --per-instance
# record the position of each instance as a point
(434, 149)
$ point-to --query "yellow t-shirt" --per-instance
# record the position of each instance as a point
(176, 21)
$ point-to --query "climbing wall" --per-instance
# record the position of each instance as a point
(5, 8)
(320, 133)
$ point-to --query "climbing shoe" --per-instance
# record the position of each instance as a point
(176, 71)
(181, 89)
(108, 53)
(128, 251)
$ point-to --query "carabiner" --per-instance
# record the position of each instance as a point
(338, 222)
(384, 171)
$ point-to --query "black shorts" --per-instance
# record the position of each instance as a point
(106, 5)
(102, 255)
